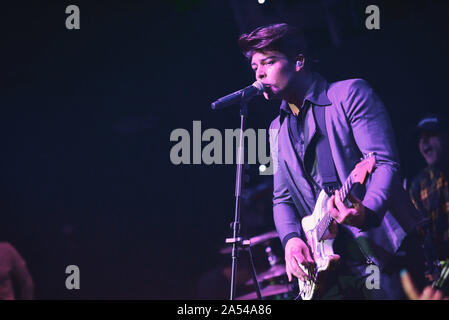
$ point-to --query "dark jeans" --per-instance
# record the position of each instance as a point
(355, 279)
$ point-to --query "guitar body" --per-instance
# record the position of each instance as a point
(322, 250)
(320, 238)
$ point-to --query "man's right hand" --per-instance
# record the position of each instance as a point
(296, 254)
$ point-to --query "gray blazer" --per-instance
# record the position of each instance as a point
(357, 123)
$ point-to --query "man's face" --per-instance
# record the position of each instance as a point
(275, 71)
(431, 147)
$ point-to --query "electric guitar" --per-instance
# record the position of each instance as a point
(316, 230)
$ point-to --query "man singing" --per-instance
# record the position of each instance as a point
(347, 119)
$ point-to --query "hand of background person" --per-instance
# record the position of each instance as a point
(429, 293)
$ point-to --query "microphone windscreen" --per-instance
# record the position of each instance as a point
(259, 86)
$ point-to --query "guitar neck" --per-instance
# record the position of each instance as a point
(325, 222)
(444, 275)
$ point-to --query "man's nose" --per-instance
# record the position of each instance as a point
(260, 74)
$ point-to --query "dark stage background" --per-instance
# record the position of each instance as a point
(86, 176)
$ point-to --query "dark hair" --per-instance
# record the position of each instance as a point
(275, 37)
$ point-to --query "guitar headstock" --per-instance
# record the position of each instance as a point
(363, 168)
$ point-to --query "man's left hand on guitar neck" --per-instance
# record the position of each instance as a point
(354, 216)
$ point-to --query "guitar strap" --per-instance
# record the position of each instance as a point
(323, 153)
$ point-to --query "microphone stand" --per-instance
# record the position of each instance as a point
(236, 240)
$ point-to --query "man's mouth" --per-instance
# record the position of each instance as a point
(268, 88)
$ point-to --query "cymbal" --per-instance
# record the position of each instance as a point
(254, 240)
(274, 272)
(268, 291)
(264, 237)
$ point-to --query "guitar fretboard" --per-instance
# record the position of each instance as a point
(324, 223)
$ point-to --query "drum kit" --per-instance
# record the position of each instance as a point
(270, 270)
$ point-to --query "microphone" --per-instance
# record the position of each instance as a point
(246, 93)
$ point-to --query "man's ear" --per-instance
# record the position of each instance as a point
(299, 62)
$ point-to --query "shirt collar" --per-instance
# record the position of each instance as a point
(316, 94)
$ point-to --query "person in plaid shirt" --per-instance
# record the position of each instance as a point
(429, 190)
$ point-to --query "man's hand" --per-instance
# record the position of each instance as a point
(354, 216)
(412, 293)
(296, 254)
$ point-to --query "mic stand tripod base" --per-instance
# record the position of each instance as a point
(238, 243)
